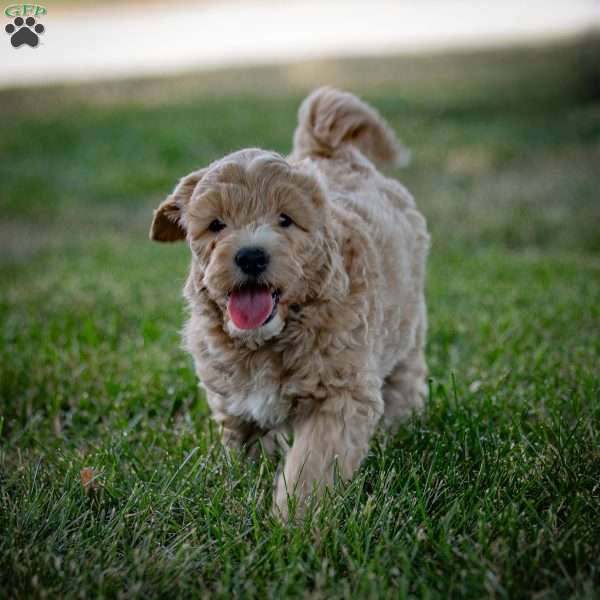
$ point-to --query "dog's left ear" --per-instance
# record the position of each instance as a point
(309, 180)
(168, 224)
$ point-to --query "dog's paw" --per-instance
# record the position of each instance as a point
(24, 32)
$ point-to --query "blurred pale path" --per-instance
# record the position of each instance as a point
(134, 40)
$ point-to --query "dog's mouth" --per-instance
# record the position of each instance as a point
(252, 305)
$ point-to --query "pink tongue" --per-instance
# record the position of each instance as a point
(249, 308)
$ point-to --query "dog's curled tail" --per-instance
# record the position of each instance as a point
(330, 118)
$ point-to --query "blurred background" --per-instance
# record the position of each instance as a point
(499, 103)
(88, 40)
(120, 98)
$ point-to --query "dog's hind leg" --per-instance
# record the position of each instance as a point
(405, 388)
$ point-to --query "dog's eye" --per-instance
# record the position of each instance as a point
(216, 225)
(284, 220)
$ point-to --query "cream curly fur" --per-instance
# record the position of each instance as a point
(344, 350)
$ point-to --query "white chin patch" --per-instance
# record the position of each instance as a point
(258, 336)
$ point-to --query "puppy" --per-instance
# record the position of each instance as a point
(306, 291)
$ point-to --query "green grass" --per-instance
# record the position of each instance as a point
(495, 493)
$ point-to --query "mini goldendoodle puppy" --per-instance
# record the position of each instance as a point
(306, 291)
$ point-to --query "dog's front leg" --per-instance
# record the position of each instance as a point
(239, 434)
(338, 431)
(236, 433)
(248, 437)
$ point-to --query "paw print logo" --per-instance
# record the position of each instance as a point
(24, 32)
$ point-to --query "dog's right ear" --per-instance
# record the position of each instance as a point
(168, 224)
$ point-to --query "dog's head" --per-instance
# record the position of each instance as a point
(258, 230)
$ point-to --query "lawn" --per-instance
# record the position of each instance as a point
(494, 493)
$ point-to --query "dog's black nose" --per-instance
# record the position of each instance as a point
(252, 261)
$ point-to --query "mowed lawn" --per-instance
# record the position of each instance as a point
(494, 493)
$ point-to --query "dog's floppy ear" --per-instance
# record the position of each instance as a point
(168, 224)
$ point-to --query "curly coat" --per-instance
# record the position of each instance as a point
(344, 349)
